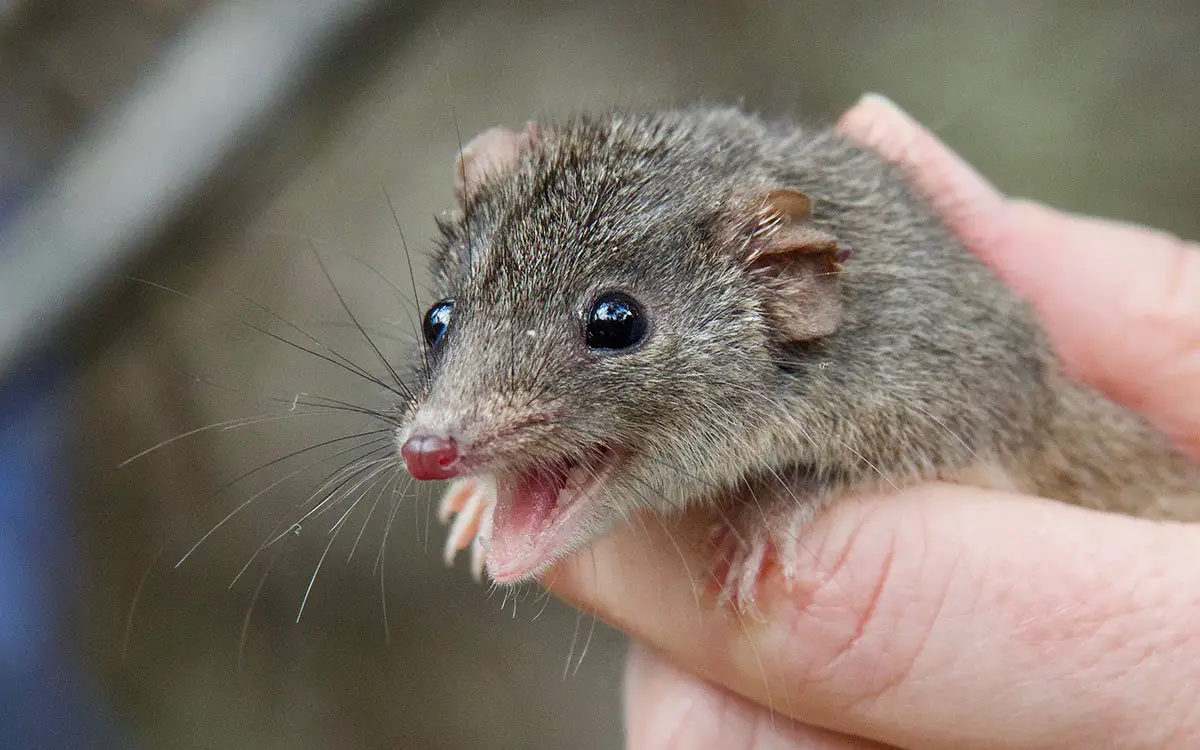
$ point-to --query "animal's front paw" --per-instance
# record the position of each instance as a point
(748, 543)
(470, 500)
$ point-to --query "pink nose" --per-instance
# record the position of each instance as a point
(430, 456)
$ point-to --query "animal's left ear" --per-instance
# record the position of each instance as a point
(798, 265)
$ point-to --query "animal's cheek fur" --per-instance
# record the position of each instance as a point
(669, 477)
(646, 482)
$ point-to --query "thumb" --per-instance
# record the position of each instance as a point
(941, 617)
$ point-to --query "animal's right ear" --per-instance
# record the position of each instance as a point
(489, 153)
(797, 265)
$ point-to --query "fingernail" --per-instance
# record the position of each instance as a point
(874, 120)
(876, 99)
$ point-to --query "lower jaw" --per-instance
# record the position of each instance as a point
(530, 532)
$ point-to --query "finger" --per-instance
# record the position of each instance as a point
(1120, 303)
(939, 617)
(668, 708)
(972, 208)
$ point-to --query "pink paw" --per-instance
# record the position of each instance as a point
(470, 500)
(747, 547)
(740, 564)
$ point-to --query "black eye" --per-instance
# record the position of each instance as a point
(615, 322)
(436, 321)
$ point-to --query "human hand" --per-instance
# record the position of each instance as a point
(948, 617)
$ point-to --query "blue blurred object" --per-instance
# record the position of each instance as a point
(45, 698)
(226, 91)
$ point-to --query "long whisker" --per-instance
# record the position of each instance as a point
(337, 477)
(332, 537)
(289, 323)
(379, 436)
(221, 426)
(379, 560)
(383, 331)
(313, 579)
(371, 468)
(295, 399)
(258, 587)
(162, 547)
(412, 306)
(242, 506)
(371, 512)
(379, 475)
(370, 341)
(346, 365)
(413, 279)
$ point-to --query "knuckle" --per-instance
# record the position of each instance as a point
(1166, 296)
(1161, 314)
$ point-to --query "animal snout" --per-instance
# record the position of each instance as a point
(431, 456)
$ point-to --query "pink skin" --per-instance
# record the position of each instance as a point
(514, 524)
(945, 617)
(533, 517)
(430, 456)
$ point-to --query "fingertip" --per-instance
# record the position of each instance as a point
(879, 124)
(970, 205)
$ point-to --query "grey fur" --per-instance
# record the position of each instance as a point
(937, 370)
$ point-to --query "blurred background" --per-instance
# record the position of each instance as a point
(167, 169)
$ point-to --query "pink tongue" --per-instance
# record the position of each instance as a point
(521, 523)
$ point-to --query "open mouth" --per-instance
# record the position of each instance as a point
(538, 514)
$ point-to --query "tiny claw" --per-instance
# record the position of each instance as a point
(739, 571)
(479, 548)
(470, 501)
(456, 497)
(748, 545)
(464, 528)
